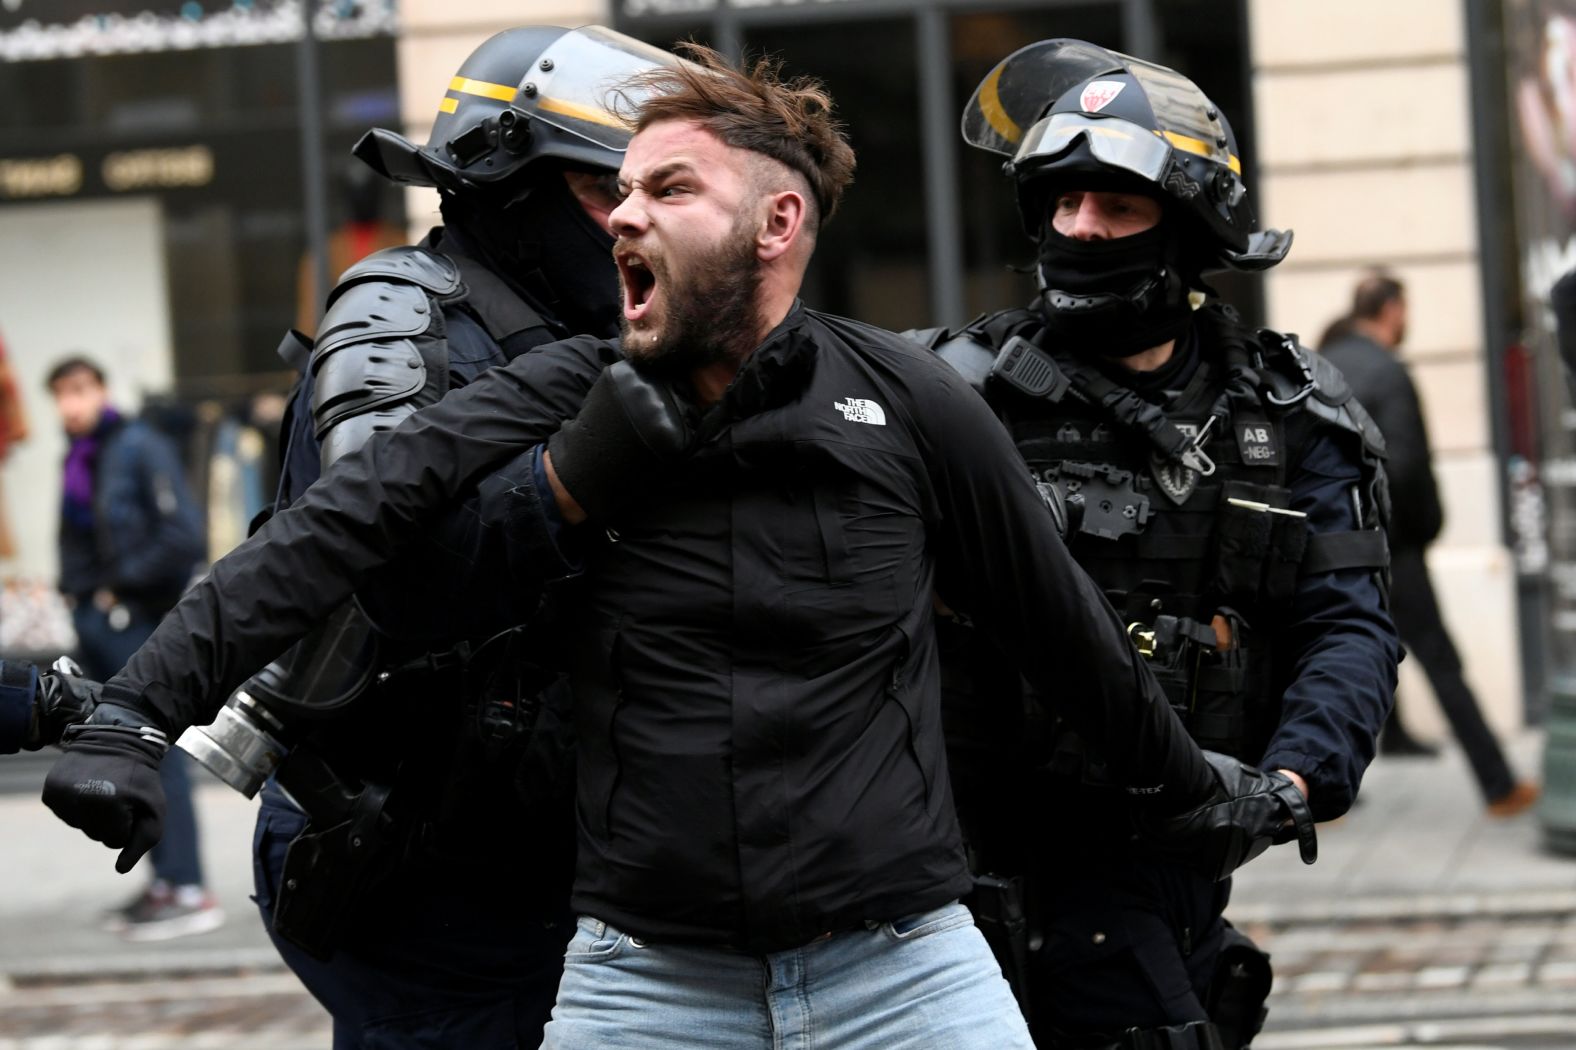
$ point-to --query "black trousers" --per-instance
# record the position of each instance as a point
(1415, 610)
(1128, 942)
(438, 964)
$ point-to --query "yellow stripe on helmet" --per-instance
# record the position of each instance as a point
(589, 114)
(995, 113)
(448, 105)
(467, 86)
(1198, 147)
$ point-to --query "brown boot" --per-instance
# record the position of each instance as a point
(1517, 800)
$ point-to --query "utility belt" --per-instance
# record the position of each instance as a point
(447, 798)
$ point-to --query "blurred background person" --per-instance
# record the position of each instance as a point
(1367, 351)
(13, 428)
(131, 538)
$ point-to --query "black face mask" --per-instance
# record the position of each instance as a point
(546, 244)
(1113, 298)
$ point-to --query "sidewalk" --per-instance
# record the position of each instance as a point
(55, 883)
(1417, 845)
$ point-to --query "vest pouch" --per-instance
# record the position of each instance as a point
(1288, 543)
(1248, 534)
(1219, 718)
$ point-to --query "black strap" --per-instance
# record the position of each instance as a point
(1334, 551)
(498, 306)
(295, 350)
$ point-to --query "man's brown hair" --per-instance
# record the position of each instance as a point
(1373, 293)
(754, 108)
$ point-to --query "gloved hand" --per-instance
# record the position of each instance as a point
(65, 698)
(107, 781)
(1252, 810)
(629, 429)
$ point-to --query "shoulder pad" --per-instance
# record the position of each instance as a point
(1285, 373)
(406, 264)
(381, 352)
(969, 357)
(1295, 375)
(1329, 384)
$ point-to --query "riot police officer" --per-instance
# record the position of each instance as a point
(413, 852)
(1232, 510)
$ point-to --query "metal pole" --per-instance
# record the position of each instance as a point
(313, 174)
(1140, 30)
(728, 34)
(938, 131)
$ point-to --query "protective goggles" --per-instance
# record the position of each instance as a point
(1116, 143)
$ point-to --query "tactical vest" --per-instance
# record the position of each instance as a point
(1187, 524)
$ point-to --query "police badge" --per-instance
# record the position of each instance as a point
(1178, 478)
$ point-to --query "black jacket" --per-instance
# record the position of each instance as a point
(755, 664)
(1383, 385)
(146, 540)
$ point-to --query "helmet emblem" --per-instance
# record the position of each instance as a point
(1099, 94)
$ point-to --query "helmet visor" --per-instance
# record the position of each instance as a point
(1014, 94)
(1116, 143)
(581, 84)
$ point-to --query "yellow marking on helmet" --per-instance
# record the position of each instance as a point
(448, 105)
(589, 114)
(467, 86)
(1199, 147)
(995, 113)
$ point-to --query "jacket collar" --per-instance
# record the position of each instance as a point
(775, 373)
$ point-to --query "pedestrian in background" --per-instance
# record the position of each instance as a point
(1368, 354)
(131, 538)
(13, 429)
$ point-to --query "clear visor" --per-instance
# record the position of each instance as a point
(1113, 142)
(582, 84)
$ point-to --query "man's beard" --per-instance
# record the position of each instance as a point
(710, 313)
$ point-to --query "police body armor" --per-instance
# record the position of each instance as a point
(1187, 524)
(381, 355)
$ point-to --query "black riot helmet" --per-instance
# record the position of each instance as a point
(524, 95)
(1069, 112)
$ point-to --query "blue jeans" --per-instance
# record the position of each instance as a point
(103, 650)
(925, 982)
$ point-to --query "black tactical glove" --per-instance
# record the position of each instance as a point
(107, 781)
(65, 698)
(630, 428)
(1252, 810)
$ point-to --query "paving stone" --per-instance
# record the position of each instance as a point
(1443, 976)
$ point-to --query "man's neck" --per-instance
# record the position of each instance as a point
(711, 382)
(1374, 330)
(1151, 359)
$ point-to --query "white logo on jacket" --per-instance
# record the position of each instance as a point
(859, 410)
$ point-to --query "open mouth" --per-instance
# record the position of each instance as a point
(640, 286)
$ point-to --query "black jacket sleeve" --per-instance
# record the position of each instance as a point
(1339, 645)
(1001, 562)
(307, 561)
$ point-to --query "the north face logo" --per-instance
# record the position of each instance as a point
(858, 410)
(1098, 95)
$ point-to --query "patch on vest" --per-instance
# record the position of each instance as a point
(1257, 445)
(1176, 480)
